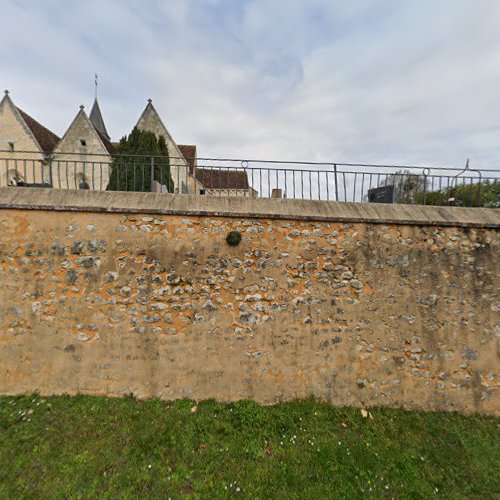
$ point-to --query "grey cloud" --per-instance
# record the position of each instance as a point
(377, 81)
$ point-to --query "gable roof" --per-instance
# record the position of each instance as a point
(107, 143)
(97, 120)
(189, 153)
(151, 110)
(46, 139)
(110, 148)
(218, 178)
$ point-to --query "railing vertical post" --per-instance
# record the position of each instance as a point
(425, 172)
(152, 172)
(50, 172)
(479, 204)
(336, 183)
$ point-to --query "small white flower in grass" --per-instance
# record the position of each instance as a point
(238, 488)
(149, 466)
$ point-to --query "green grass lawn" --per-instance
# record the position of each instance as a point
(96, 447)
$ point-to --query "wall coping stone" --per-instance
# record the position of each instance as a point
(68, 200)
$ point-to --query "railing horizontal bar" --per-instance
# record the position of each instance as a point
(185, 161)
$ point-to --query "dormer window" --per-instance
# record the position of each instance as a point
(11, 146)
(83, 142)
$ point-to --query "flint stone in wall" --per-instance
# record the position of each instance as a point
(173, 279)
(88, 261)
(210, 306)
(57, 248)
(71, 277)
(356, 284)
(125, 291)
(249, 318)
(110, 276)
(398, 260)
(158, 306)
(94, 246)
(77, 247)
(469, 353)
(430, 300)
(253, 298)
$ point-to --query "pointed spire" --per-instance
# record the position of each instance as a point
(97, 120)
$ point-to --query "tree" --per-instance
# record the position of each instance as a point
(407, 186)
(465, 193)
(418, 189)
(136, 156)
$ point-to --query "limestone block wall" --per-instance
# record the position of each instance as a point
(73, 164)
(150, 121)
(30, 167)
(98, 298)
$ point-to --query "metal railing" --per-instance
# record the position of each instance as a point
(256, 178)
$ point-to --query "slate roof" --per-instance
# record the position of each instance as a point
(46, 139)
(218, 178)
(97, 120)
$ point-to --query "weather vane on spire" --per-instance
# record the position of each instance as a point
(96, 85)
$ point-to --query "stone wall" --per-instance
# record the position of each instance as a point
(96, 298)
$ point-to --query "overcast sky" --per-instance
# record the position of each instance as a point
(404, 81)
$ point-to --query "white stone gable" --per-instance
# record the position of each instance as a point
(81, 138)
(13, 129)
(150, 121)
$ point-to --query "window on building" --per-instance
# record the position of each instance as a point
(83, 142)
(11, 146)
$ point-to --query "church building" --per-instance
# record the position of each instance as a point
(32, 155)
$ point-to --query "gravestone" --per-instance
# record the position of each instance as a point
(383, 194)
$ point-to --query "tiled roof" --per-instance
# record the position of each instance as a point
(107, 143)
(189, 153)
(222, 179)
(46, 139)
